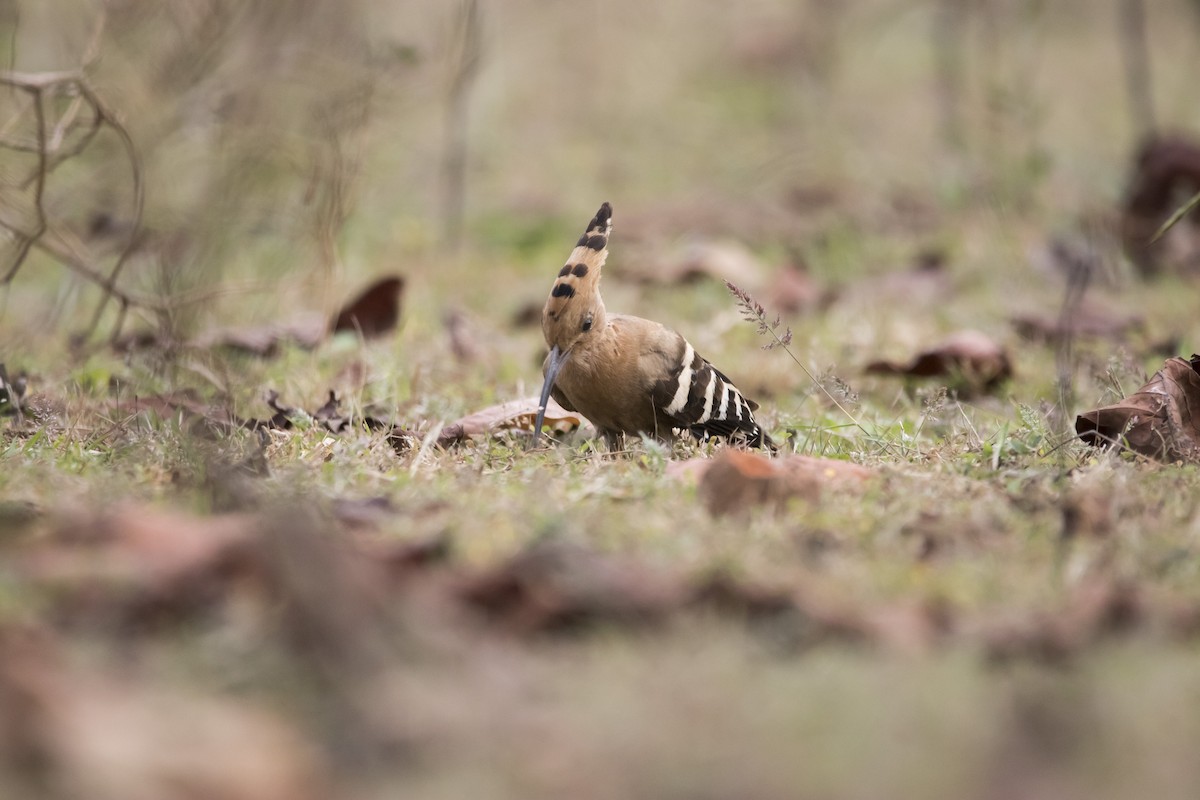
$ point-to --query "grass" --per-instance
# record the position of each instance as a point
(687, 135)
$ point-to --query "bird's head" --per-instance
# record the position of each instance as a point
(574, 310)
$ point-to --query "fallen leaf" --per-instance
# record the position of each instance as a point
(184, 405)
(281, 420)
(363, 513)
(519, 414)
(1159, 420)
(742, 479)
(1166, 168)
(557, 586)
(133, 562)
(1088, 320)
(402, 558)
(329, 411)
(375, 311)
(737, 481)
(828, 472)
(726, 595)
(1093, 611)
(306, 331)
(971, 360)
(108, 736)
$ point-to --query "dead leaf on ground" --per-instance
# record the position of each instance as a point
(373, 313)
(1160, 420)
(558, 586)
(1167, 168)
(306, 331)
(1089, 320)
(737, 481)
(516, 414)
(97, 734)
(402, 558)
(363, 513)
(1095, 610)
(133, 562)
(729, 596)
(184, 405)
(970, 360)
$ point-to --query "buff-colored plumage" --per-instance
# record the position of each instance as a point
(626, 374)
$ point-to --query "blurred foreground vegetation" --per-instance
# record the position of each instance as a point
(1000, 611)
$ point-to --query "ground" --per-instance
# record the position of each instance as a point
(991, 608)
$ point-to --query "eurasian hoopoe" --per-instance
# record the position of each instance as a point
(628, 374)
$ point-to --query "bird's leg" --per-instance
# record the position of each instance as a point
(615, 440)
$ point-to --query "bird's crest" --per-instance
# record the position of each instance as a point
(576, 291)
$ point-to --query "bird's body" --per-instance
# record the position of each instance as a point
(626, 374)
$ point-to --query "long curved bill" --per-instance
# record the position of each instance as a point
(554, 365)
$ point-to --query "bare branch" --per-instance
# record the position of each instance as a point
(26, 240)
(139, 194)
(52, 150)
(65, 247)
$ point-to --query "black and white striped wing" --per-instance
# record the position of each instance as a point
(698, 397)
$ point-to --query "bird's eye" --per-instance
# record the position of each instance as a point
(587, 324)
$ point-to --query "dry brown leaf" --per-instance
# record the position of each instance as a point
(134, 561)
(736, 481)
(1089, 320)
(729, 596)
(519, 414)
(827, 472)
(1159, 420)
(306, 331)
(183, 405)
(971, 360)
(70, 733)
(1096, 609)
(557, 586)
(1167, 168)
(374, 312)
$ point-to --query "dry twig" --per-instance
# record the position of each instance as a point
(55, 142)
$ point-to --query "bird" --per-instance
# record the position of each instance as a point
(628, 375)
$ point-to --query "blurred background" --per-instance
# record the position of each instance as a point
(283, 153)
(1003, 613)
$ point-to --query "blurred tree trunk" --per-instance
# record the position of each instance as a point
(1131, 24)
(949, 37)
(465, 53)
